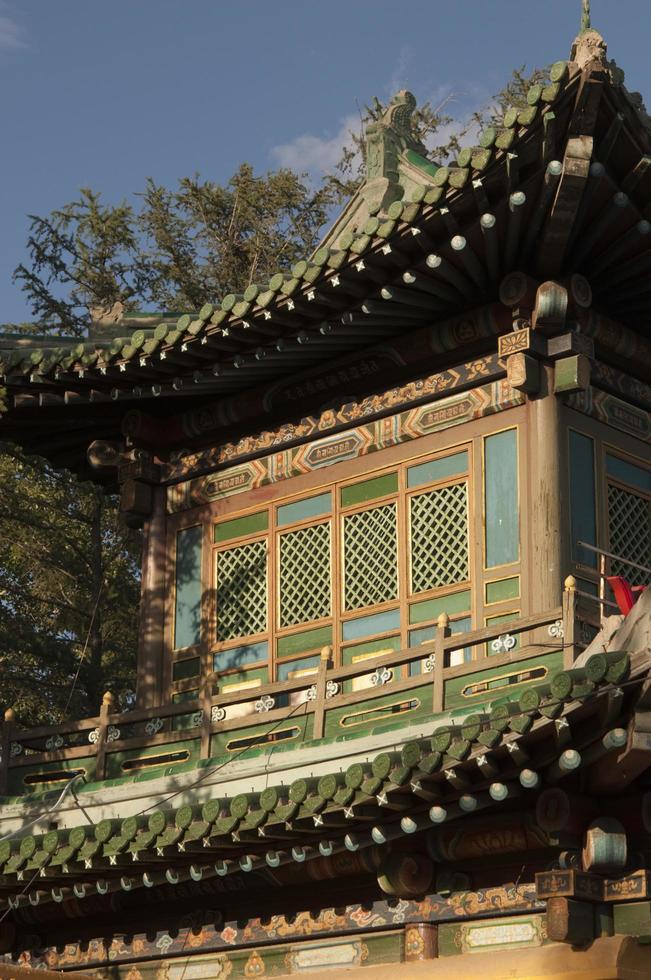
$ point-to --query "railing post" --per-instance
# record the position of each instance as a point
(205, 703)
(569, 622)
(602, 587)
(104, 712)
(321, 693)
(8, 727)
(442, 634)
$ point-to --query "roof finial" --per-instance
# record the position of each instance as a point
(586, 22)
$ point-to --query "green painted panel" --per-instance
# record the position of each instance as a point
(353, 629)
(371, 646)
(187, 606)
(301, 642)
(254, 738)
(458, 602)
(378, 486)
(183, 669)
(241, 526)
(437, 469)
(226, 684)
(490, 935)
(187, 749)
(583, 498)
(500, 683)
(627, 472)
(392, 705)
(301, 510)
(501, 498)
(504, 588)
(185, 696)
(18, 787)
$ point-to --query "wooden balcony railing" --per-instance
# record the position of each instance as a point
(191, 726)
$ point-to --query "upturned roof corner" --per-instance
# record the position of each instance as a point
(589, 53)
(396, 164)
(386, 139)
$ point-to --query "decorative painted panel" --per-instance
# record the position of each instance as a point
(282, 463)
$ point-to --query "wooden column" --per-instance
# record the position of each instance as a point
(321, 692)
(569, 622)
(104, 712)
(150, 673)
(543, 512)
(438, 689)
(8, 728)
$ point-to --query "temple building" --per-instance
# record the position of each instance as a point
(393, 710)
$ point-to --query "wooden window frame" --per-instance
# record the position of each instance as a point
(333, 477)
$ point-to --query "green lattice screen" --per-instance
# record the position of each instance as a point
(370, 557)
(629, 520)
(242, 591)
(305, 575)
(439, 538)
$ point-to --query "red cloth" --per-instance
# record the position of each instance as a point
(625, 595)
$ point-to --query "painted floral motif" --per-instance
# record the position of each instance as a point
(164, 942)
(254, 966)
(229, 935)
(376, 435)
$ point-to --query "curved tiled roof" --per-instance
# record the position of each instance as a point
(262, 302)
(545, 735)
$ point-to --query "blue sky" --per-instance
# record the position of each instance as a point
(104, 93)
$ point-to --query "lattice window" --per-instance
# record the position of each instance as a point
(370, 557)
(305, 575)
(439, 538)
(629, 520)
(242, 591)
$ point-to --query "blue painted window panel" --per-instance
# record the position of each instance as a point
(302, 510)
(289, 667)
(241, 656)
(583, 498)
(627, 472)
(369, 625)
(501, 498)
(187, 607)
(437, 469)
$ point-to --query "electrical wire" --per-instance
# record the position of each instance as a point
(83, 652)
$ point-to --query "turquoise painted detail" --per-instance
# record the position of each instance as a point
(501, 498)
(354, 629)
(421, 162)
(241, 656)
(301, 510)
(627, 472)
(583, 497)
(437, 469)
(187, 607)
